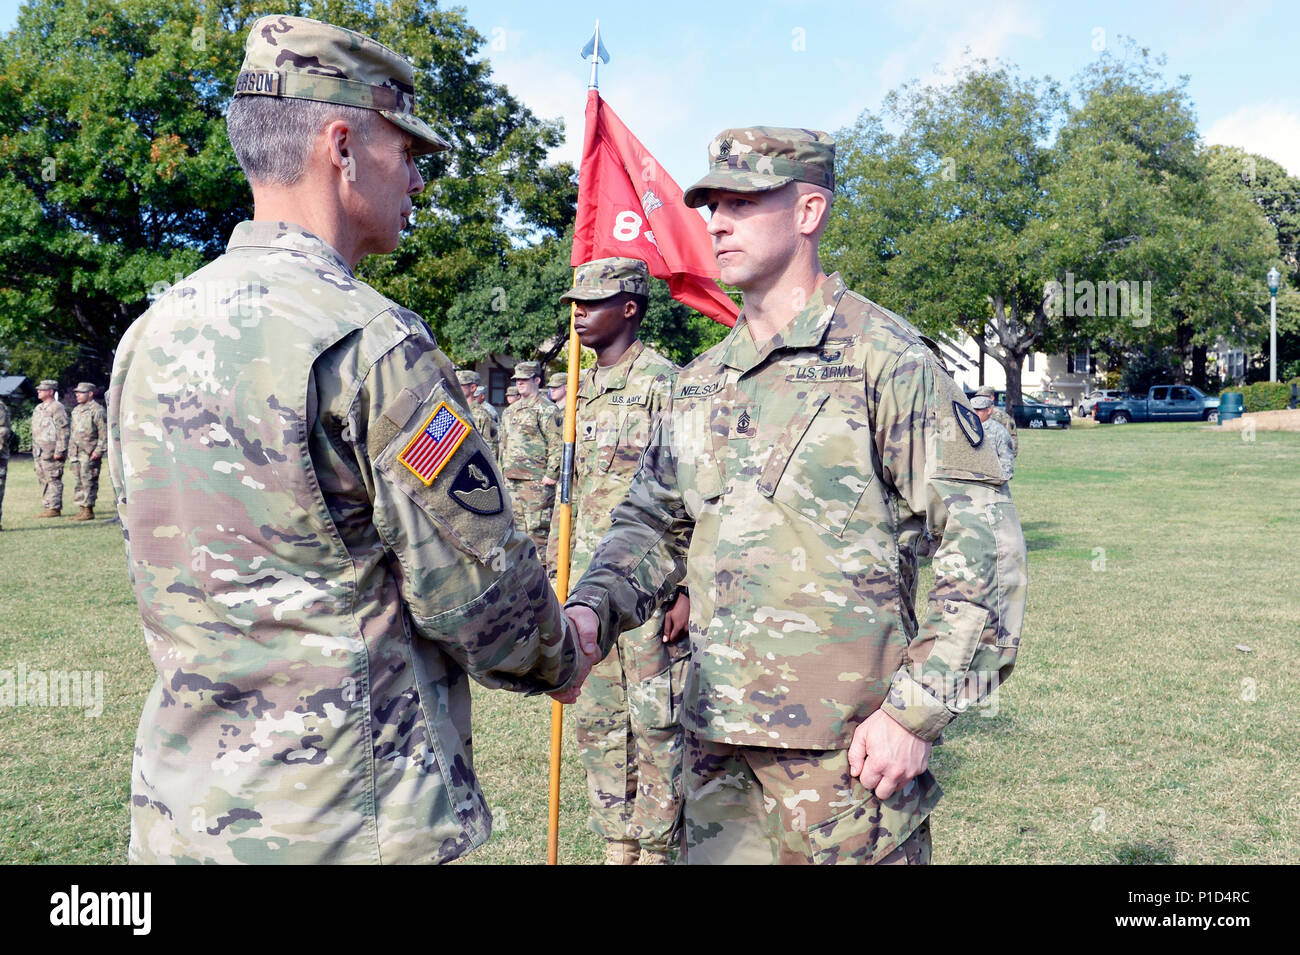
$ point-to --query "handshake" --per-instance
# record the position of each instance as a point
(587, 628)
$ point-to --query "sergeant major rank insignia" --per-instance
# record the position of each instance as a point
(430, 450)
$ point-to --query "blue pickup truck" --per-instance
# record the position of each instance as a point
(1162, 403)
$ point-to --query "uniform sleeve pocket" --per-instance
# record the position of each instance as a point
(430, 451)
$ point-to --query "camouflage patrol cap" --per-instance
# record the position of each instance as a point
(988, 390)
(980, 402)
(603, 278)
(47, 384)
(300, 58)
(762, 158)
(558, 380)
(512, 391)
(467, 376)
(85, 386)
(527, 369)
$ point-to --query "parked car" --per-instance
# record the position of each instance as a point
(1163, 403)
(1089, 404)
(1033, 414)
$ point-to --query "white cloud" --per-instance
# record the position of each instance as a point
(948, 34)
(1269, 129)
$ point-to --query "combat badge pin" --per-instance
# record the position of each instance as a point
(970, 423)
(476, 488)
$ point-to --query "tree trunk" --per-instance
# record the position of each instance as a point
(1199, 378)
(1011, 365)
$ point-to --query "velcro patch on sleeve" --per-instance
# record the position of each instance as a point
(429, 451)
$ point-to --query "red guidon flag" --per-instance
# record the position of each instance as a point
(628, 205)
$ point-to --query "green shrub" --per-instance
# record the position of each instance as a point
(1266, 395)
(20, 422)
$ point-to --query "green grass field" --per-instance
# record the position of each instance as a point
(1133, 731)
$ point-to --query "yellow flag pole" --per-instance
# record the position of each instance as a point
(562, 573)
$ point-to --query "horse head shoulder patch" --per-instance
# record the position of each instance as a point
(970, 424)
(476, 487)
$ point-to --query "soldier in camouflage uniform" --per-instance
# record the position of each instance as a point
(512, 395)
(995, 434)
(320, 545)
(49, 446)
(88, 444)
(801, 469)
(1001, 417)
(484, 415)
(5, 431)
(532, 443)
(627, 718)
(556, 386)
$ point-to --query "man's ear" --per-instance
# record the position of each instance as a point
(812, 210)
(339, 139)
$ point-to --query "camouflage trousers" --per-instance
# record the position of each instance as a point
(628, 726)
(49, 474)
(532, 502)
(4, 473)
(86, 470)
(752, 805)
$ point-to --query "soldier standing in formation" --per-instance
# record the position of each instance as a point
(995, 434)
(319, 543)
(628, 731)
(486, 421)
(532, 444)
(87, 447)
(801, 468)
(512, 395)
(49, 446)
(1001, 417)
(556, 386)
(5, 431)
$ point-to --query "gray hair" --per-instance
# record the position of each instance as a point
(272, 137)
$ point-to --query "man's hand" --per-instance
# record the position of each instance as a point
(58, 457)
(676, 618)
(587, 627)
(94, 455)
(885, 756)
(550, 482)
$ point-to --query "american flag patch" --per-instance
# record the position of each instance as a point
(432, 448)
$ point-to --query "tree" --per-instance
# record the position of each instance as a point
(116, 175)
(1037, 220)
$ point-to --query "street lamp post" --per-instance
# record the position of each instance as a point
(1273, 278)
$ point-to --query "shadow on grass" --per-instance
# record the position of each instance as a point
(1038, 536)
(1145, 853)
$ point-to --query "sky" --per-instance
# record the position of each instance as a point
(682, 71)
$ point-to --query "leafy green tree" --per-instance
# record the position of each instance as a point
(116, 174)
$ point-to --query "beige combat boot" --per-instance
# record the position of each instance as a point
(50, 512)
(83, 514)
(618, 852)
(654, 857)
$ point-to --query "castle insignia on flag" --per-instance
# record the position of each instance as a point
(650, 202)
(431, 449)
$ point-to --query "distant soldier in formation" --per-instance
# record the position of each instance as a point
(556, 386)
(4, 453)
(995, 434)
(87, 448)
(627, 724)
(1001, 417)
(531, 447)
(486, 421)
(512, 395)
(50, 446)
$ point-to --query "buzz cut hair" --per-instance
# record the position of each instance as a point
(272, 137)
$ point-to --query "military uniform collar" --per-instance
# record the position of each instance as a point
(806, 330)
(265, 234)
(618, 373)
